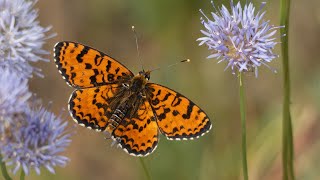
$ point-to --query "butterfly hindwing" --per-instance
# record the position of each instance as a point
(82, 66)
(90, 107)
(138, 135)
(177, 116)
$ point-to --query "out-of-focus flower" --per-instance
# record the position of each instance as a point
(240, 37)
(35, 140)
(30, 138)
(21, 36)
(14, 94)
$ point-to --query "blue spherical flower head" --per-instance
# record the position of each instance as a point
(14, 94)
(21, 36)
(35, 140)
(241, 37)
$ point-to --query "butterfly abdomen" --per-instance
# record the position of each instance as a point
(117, 117)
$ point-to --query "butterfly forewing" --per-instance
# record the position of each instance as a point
(82, 66)
(90, 107)
(138, 135)
(177, 116)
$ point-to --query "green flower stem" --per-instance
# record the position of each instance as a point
(4, 171)
(22, 175)
(146, 172)
(287, 139)
(243, 125)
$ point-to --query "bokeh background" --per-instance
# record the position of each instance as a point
(167, 33)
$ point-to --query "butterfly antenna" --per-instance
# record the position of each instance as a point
(137, 45)
(154, 69)
(185, 60)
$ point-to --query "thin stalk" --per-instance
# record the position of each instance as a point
(146, 172)
(4, 171)
(243, 125)
(287, 139)
(22, 175)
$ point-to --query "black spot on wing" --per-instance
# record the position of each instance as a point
(83, 52)
(108, 66)
(189, 110)
(88, 66)
(98, 60)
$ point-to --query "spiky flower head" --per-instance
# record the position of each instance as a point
(35, 140)
(241, 37)
(21, 36)
(14, 94)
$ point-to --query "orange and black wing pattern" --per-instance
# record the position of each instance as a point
(82, 66)
(90, 107)
(139, 135)
(178, 118)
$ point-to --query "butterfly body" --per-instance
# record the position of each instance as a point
(108, 97)
(131, 95)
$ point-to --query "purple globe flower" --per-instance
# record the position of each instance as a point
(241, 37)
(21, 36)
(14, 94)
(35, 140)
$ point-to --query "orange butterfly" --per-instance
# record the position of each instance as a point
(109, 97)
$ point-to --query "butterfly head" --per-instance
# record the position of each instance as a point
(139, 81)
(145, 74)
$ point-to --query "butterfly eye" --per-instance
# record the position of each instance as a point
(147, 76)
(126, 85)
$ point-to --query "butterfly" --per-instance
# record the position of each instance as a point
(109, 97)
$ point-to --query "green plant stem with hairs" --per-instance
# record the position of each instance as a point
(4, 171)
(146, 172)
(243, 125)
(287, 139)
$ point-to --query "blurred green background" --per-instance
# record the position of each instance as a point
(167, 33)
